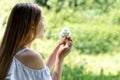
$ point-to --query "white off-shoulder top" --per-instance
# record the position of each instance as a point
(19, 71)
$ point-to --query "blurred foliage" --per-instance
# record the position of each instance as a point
(104, 5)
(94, 23)
(83, 75)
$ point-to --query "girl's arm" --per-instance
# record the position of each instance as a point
(51, 59)
(57, 70)
(61, 54)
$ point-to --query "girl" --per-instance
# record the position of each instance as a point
(17, 60)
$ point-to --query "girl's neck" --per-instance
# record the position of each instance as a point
(28, 45)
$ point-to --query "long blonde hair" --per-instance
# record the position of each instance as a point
(18, 33)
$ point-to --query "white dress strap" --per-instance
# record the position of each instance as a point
(21, 51)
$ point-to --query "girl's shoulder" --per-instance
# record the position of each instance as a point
(31, 59)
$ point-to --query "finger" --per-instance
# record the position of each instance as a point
(62, 42)
(69, 38)
(68, 44)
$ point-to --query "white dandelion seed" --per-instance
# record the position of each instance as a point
(65, 32)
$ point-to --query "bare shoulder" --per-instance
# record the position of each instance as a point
(31, 59)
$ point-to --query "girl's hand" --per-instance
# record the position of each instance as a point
(53, 57)
(64, 48)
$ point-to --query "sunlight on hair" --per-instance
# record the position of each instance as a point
(1, 34)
